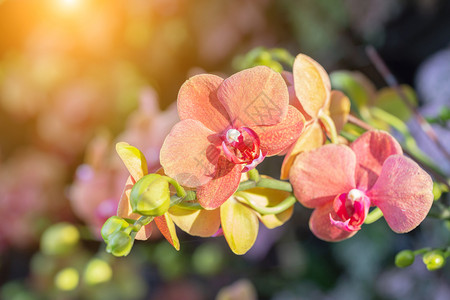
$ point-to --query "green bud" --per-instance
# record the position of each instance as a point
(404, 258)
(119, 244)
(112, 225)
(97, 271)
(67, 279)
(150, 196)
(59, 239)
(434, 260)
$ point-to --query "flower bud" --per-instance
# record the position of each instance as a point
(119, 244)
(404, 258)
(434, 260)
(59, 239)
(112, 225)
(150, 196)
(67, 279)
(97, 271)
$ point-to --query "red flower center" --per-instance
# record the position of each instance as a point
(352, 209)
(242, 146)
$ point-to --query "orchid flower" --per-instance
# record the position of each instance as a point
(341, 183)
(310, 92)
(228, 127)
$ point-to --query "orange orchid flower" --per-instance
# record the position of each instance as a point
(227, 127)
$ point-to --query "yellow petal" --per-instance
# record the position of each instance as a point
(312, 84)
(133, 159)
(124, 210)
(240, 225)
(339, 109)
(311, 138)
(201, 222)
(268, 198)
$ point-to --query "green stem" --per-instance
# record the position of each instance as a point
(180, 190)
(373, 216)
(246, 185)
(190, 205)
(275, 184)
(253, 174)
(422, 251)
(330, 127)
(138, 224)
(263, 210)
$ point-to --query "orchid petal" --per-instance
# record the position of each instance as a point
(322, 227)
(133, 159)
(312, 84)
(222, 186)
(276, 138)
(321, 174)
(256, 96)
(167, 228)
(204, 223)
(190, 153)
(293, 100)
(124, 210)
(197, 100)
(269, 198)
(372, 149)
(240, 225)
(339, 109)
(403, 192)
(311, 138)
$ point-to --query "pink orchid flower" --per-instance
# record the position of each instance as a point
(227, 127)
(342, 182)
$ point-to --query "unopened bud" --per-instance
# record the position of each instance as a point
(112, 225)
(59, 239)
(434, 260)
(404, 258)
(67, 279)
(97, 271)
(150, 196)
(119, 244)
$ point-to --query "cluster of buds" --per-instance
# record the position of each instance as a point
(150, 198)
(434, 259)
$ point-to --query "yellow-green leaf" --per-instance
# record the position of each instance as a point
(389, 100)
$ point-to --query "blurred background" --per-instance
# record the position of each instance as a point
(76, 76)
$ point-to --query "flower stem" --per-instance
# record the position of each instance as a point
(373, 216)
(253, 174)
(275, 184)
(180, 190)
(263, 210)
(330, 127)
(138, 224)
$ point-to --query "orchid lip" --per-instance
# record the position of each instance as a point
(242, 146)
(351, 210)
